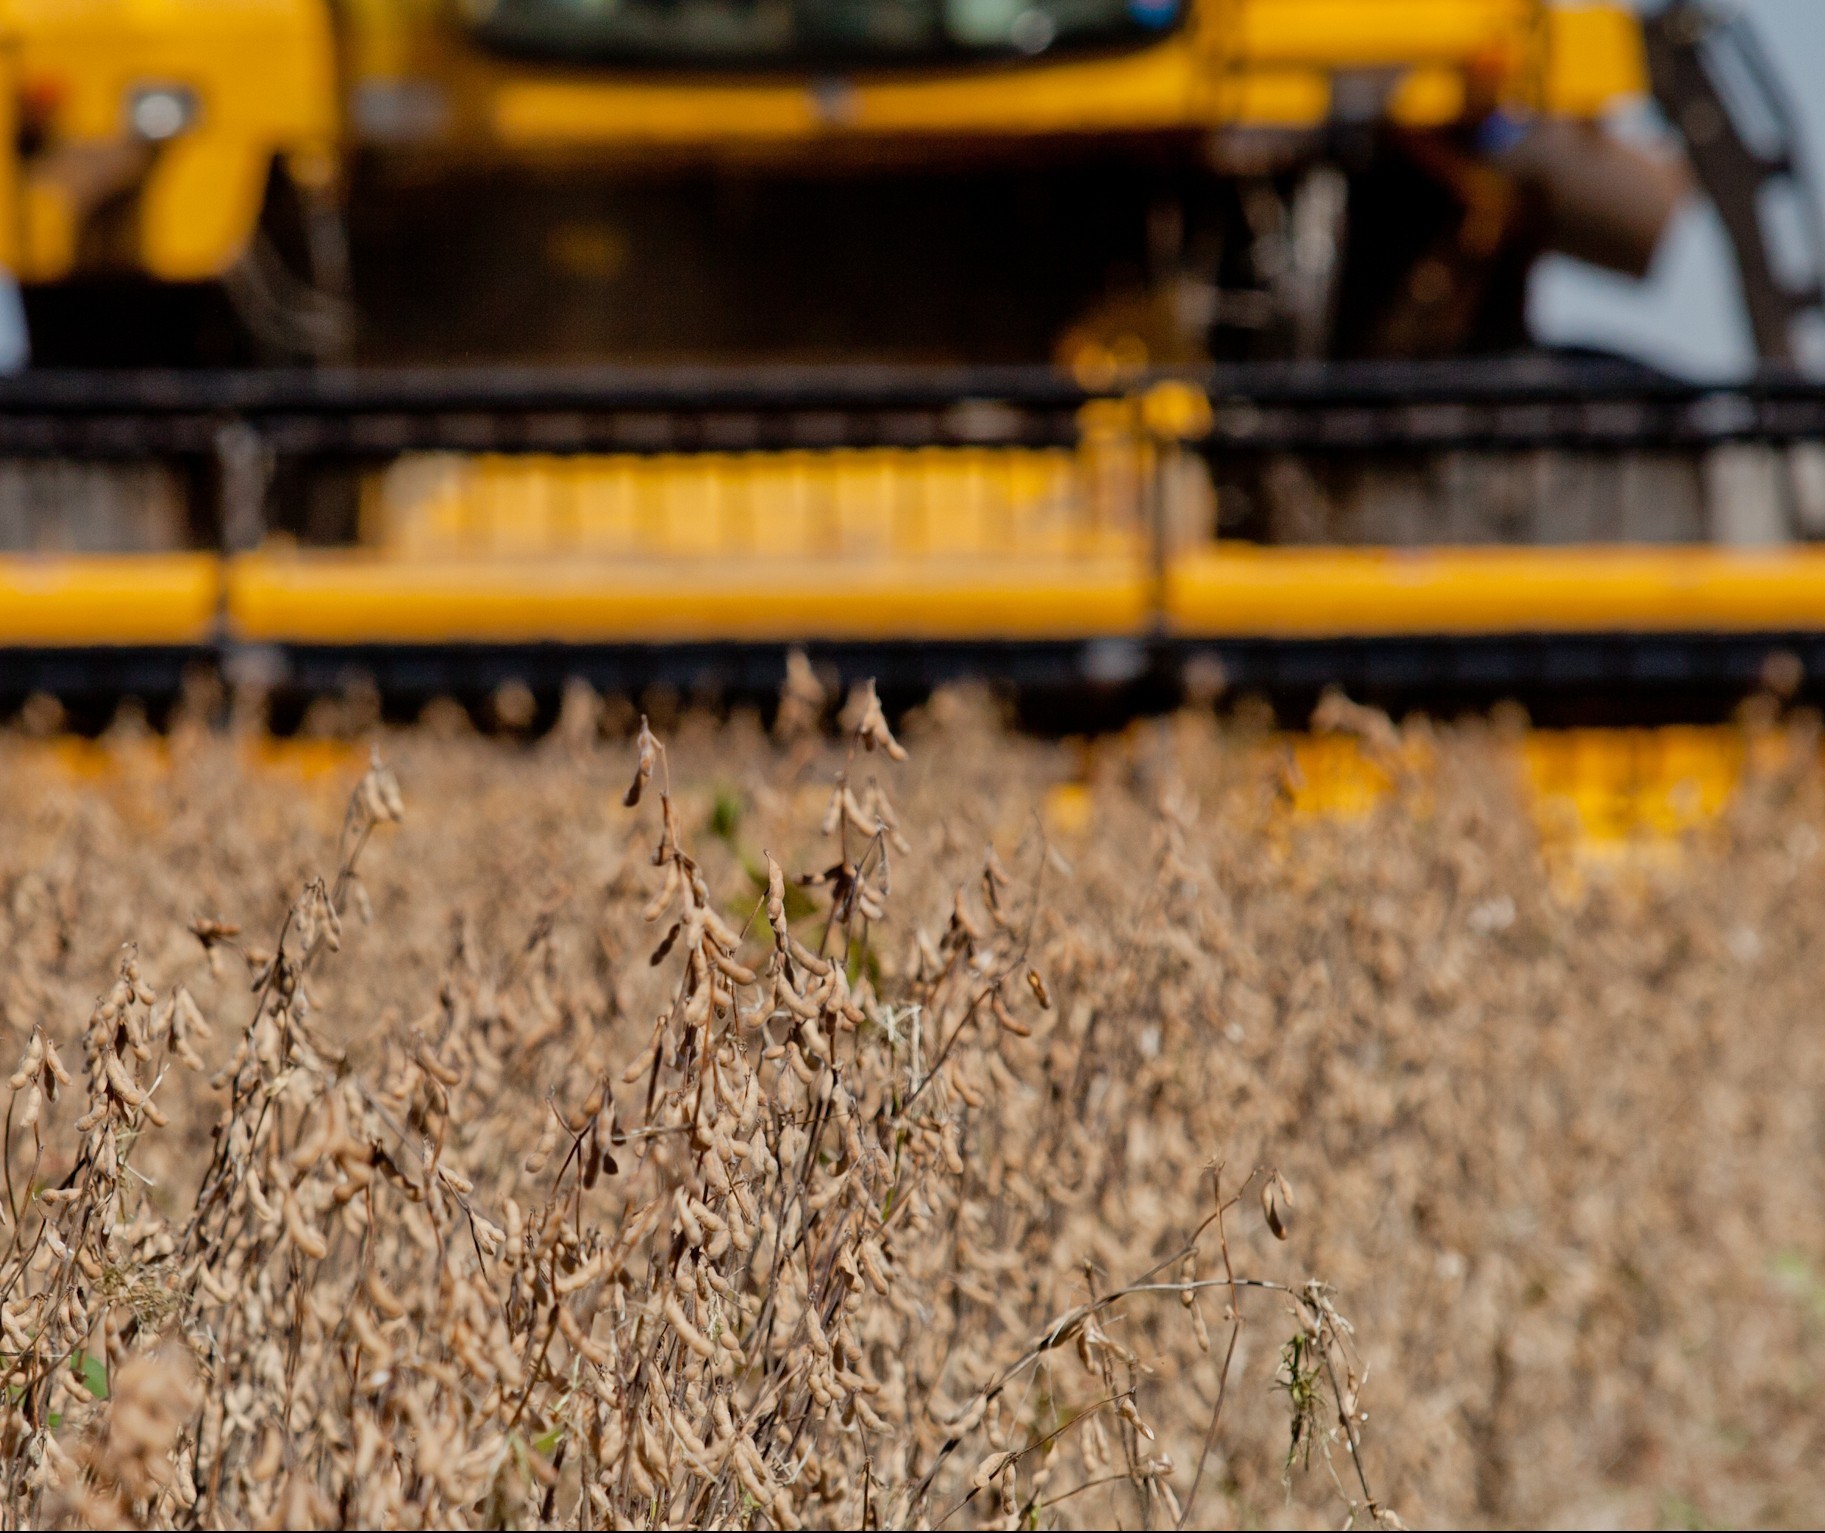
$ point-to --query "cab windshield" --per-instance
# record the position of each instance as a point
(789, 33)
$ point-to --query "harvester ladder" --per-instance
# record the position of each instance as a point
(1717, 87)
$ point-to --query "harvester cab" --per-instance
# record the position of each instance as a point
(1099, 182)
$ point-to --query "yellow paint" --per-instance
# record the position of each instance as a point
(200, 200)
(1068, 808)
(864, 504)
(693, 560)
(106, 599)
(49, 222)
(309, 760)
(10, 185)
(1252, 63)
(1607, 789)
(1593, 59)
(1428, 97)
(1171, 85)
(1274, 98)
(263, 78)
(1377, 34)
(354, 598)
(1230, 591)
(265, 75)
(87, 760)
(1333, 777)
(1152, 88)
(1597, 796)
(553, 112)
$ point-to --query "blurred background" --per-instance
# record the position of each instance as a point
(1687, 313)
(1104, 185)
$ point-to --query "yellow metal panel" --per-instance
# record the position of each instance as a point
(1333, 776)
(84, 599)
(1251, 62)
(1377, 34)
(1152, 88)
(1274, 593)
(1214, 593)
(1428, 98)
(263, 77)
(200, 203)
(1594, 59)
(11, 185)
(872, 504)
(1611, 787)
(534, 111)
(1329, 593)
(1278, 98)
(47, 230)
(1149, 88)
(260, 67)
(351, 598)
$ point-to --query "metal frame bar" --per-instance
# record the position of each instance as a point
(1353, 407)
(1332, 408)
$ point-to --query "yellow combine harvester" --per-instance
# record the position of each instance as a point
(1110, 182)
(643, 284)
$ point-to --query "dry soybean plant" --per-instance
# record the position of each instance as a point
(765, 1272)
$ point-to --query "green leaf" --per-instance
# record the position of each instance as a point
(799, 904)
(93, 1373)
(864, 960)
(547, 1442)
(725, 816)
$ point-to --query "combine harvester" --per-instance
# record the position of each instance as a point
(464, 342)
